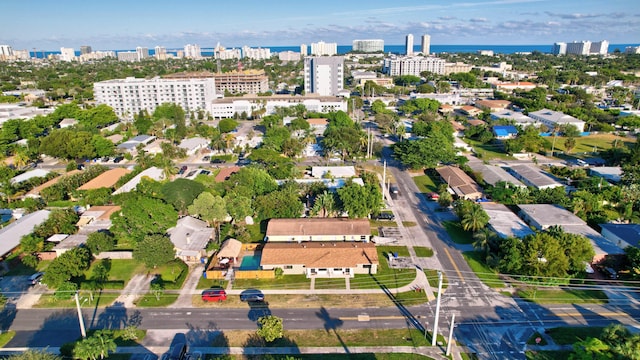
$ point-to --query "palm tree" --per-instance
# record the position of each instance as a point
(167, 165)
(325, 204)
(483, 239)
(20, 158)
(474, 219)
(142, 158)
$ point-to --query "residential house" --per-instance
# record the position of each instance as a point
(462, 185)
(493, 105)
(492, 174)
(551, 119)
(190, 238)
(504, 132)
(192, 145)
(132, 144)
(226, 172)
(512, 86)
(321, 258)
(543, 216)
(156, 146)
(11, 234)
(318, 125)
(516, 117)
(504, 222)
(610, 173)
(153, 173)
(476, 122)
(96, 218)
(471, 110)
(70, 242)
(107, 179)
(35, 192)
(35, 173)
(622, 234)
(344, 172)
(318, 229)
(533, 176)
(65, 123)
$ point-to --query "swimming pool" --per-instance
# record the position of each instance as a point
(250, 262)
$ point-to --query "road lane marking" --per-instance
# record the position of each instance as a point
(454, 265)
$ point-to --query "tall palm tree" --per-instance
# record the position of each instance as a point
(20, 158)
(474, 219)
(325, 204)
(483, 239)
(167, 165)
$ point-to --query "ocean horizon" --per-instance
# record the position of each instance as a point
(393, 49)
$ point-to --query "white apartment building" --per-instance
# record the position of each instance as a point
(192, 51)
(5, 52)
(228, 107)
(142, 52)
(256, 53)
(67, 54)
(550, 119)
(370, 45)
(304, 51)
(97, 55)
(322, 48)
(160, 53)
(632, 50)
(129, 96)
(412, 65)
(408, 44)
(559, 48)
(426, 44)
(581, 48)
(323, 75)
(130, 56)
(289, 56)
(599, 48)
(226, 54)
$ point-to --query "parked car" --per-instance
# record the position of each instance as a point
(206, 158)
(118, 159)
(433, 196)
(36, 278)
(385, 216)
(214, 295)
(182, 170)
(252, 295)
(217, 161)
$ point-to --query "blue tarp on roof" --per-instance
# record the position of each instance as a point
(505, 130)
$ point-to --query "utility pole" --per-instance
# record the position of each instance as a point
(453, 320)
(80, 319)
(384, 177)
(435, 322)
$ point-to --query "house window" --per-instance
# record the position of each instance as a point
(337, 269)
(288, 267)
(366, 266)
(363, 237)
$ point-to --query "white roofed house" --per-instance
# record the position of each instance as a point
(11, 234)
(192, 145)
(68, 122)
(551, 119)
(152, 173)
(190, 238)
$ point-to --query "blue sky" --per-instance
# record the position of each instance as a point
(120, 24)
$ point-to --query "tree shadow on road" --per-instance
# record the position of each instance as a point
(332, 324)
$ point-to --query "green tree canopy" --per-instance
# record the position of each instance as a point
(140, 216)
(181, 192)
(360, 201)
(271, 328)
(154, 250)
(71, 264)
(210, 208)
(227, 125)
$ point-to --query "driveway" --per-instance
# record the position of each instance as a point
(138, 285)
(185, 299)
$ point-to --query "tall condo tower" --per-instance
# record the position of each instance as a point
(409, 44)
(426, 44)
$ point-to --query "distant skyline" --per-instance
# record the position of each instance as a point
(119, 24)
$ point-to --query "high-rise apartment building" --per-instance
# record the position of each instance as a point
(130, 56)
(408, 44)
(322, 48)
(129, 96)
(6, 52)
(289, 56)
(370, 45)
(426, 44)
(160, 53)
(303, 50)
(412, 65)
(323, 75)
(559, 48)
(85, 49)
(581, 48)
(142, 52)
(67, 54)
(256, 53)
(192, 51)
(219, 52)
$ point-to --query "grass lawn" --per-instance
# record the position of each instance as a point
(256, 232)
(432, 277)
(120, 271)
(149, 300)
(587, 143)
(5, 337)
(331, 338)
(209, 283)
(488, 276)
(106, 298)
(561, 296)
(409, 223)
(375, 224)
(423, 251)
(488, 151)
(566, 335)
(456, 233)
(286, 282)
(173, 274)
(426, 184)
(391, 278)
(322, 283)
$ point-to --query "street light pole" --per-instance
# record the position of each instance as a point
(453, 320)
(435, 322)
(80, 319)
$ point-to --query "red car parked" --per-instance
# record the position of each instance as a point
(214, 295)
